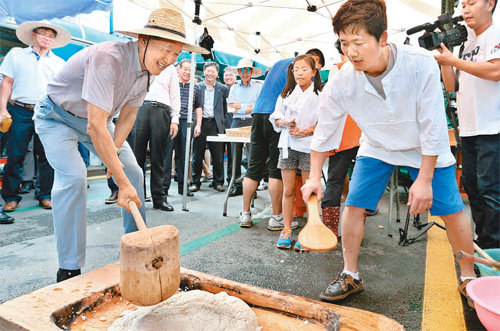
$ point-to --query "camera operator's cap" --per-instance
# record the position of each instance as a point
(25, 35)
(247, 63)
(167, 24)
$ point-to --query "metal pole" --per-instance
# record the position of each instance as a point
(187, 157)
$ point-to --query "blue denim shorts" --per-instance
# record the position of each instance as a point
(371, 176)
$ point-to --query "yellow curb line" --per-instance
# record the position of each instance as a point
(442, 308)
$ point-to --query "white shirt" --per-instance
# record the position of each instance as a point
(30, 72)
(478, 100)
(409, 123)
(304, 107)
(208, 104)
(165, 89)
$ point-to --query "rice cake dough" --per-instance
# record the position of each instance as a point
(192, 310)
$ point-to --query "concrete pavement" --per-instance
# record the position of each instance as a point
(394, 276)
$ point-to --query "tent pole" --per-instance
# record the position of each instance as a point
(187, 157)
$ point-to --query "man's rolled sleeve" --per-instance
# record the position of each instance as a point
(431, 113)
(331, 121)
(175, 96)
(101, 71)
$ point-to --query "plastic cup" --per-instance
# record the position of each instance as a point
(6, 122)
(230, 109)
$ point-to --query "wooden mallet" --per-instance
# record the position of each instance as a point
(315, 236)
(149, 262)
(461, 255)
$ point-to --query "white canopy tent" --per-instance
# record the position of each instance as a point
(285, 26)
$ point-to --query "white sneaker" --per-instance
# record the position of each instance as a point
(262, 185)
(245, 220)
(276, 223)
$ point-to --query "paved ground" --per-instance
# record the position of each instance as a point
(394, 276)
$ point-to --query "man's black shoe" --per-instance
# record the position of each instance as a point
(26, 187)
(342, 287)
(6, 219)
(219, 187)
(236, 190)
(163, 205)
(112, 198)
(194, 188)
(63, 274)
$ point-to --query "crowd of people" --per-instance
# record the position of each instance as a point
(382, 107)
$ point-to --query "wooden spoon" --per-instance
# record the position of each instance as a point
(315, 236)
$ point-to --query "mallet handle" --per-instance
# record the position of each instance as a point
(139, 221)
(482, 253)
(461, 255)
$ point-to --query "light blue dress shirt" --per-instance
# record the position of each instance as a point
(245, 95)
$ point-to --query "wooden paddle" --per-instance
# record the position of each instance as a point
(315, 236)
(149, 262)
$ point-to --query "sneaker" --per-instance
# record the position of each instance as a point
(148, 198)
(277, 223)
(462, 289)
(245, 220)
(262, 185)
(285, 240)
(343, 286)
(299, 248)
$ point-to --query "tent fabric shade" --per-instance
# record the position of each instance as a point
(287, 27)
(30, 10)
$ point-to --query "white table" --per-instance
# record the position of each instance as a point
(222, 138)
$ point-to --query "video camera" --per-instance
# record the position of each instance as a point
(449, 37)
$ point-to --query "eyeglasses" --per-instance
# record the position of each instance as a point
(47, 35)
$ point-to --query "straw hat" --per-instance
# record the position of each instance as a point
(24, 33)
(247, 63)
(167, 24)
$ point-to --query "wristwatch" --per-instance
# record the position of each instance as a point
(118, 151)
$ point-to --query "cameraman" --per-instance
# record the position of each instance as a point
(478, 99)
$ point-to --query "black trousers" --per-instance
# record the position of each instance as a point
(152, 125)
(208, 128)
(481, 179)
(177, 144)
(337, 170)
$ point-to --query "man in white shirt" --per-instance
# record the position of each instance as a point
(26, 72)
(478, 101)
(394, 95)
(158, 118)
(212, 99)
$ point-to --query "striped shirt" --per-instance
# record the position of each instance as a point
(185, 99)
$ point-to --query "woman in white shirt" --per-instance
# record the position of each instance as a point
(295, 116)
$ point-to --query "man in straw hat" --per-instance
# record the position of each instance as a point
(95, 84)
(242, 97)
(26, 72)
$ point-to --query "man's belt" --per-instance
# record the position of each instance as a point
(156, 104)
(24, 105)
